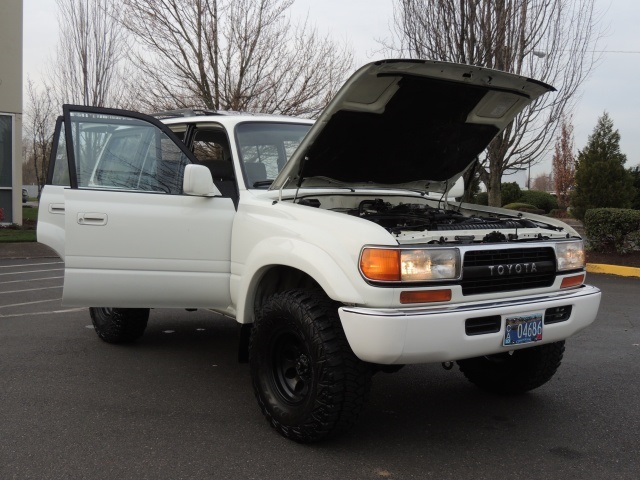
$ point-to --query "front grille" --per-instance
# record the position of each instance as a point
(510, 269)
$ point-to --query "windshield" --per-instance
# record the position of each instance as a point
(265, 148)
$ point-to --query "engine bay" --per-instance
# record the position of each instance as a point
(431, 221)
(421, 217)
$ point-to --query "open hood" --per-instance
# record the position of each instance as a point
(409, 124)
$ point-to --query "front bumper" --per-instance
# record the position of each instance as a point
(437, 333)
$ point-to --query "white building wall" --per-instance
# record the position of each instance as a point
(11, 101)
(518, 175)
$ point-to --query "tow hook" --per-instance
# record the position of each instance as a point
(447, 365)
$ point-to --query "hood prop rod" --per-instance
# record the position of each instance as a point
(300, 177)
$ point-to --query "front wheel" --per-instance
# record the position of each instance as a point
(307, 380)
(119, 325)
(514, 372)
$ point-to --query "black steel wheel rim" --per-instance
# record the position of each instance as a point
(103, 316)
(291, 368)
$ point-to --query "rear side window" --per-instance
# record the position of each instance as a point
(60, 174)
(122, 153)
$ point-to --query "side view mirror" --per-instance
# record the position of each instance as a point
(198, 182)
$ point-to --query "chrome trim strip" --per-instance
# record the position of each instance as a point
(584, 291)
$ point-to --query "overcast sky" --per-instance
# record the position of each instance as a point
(361, 22)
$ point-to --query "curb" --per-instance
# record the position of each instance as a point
(613, 270)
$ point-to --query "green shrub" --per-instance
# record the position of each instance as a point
(542, 200)
(510, 193)
(613, 229)
(524, 207)
(481, 198)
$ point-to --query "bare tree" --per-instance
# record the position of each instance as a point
(89, 67)
(549, 40)
(564, 164)
(543, 182)
(39, 121)
(233, 54)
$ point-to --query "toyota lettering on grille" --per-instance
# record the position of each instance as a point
(512, 269)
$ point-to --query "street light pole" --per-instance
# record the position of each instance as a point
(538, 54)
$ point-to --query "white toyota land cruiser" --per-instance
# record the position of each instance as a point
(338, 246)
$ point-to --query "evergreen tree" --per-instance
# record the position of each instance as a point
(601, 179)
(510, 192)
(635, 173)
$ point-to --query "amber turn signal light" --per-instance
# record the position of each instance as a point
(380, 264)
(574, 281)
(425, 296)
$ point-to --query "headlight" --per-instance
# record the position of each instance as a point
(400, 265)
(570, 255)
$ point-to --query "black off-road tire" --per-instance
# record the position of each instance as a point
(309, 384)
(510, 374)
(119, 325)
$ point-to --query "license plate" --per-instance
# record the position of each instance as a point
(523, 329)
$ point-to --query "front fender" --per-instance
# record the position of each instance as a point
(332, 276)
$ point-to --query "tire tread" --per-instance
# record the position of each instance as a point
(525, 370)
(123, 325)
(344, 387)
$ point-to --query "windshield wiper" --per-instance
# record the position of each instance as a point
(332, 181)
(262, 183)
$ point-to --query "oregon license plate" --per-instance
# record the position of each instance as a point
(523, 329)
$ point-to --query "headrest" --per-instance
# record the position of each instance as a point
(255, 171)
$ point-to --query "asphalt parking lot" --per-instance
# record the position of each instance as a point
(178, 405)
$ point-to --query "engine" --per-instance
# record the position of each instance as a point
(420, 217)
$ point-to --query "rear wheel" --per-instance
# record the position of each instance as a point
(119, 325)
(308, 382)
(514, 372)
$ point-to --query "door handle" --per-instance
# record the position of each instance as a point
(95, 219)
(56, 208)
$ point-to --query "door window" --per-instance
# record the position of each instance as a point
(123, 153)
(211, 149)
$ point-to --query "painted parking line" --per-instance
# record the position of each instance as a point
(32, 271)
(50, 312)
(31, 280)
(31, 303)
(30, 290)
(31, 264)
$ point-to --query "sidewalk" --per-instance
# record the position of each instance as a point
(38, 250)
(25, 250)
